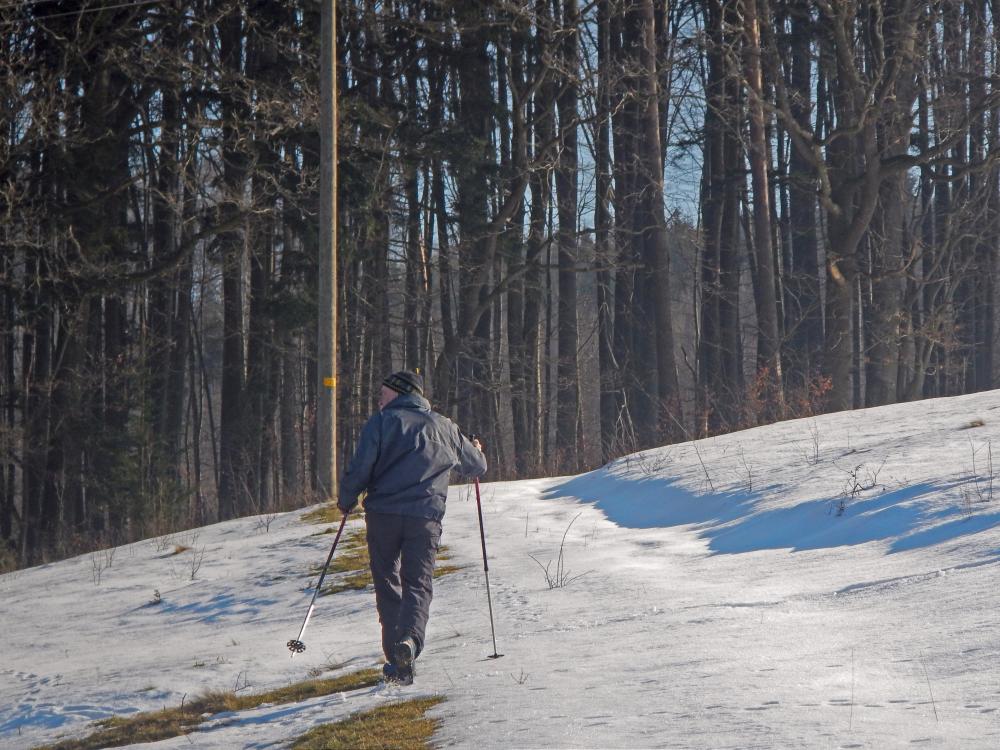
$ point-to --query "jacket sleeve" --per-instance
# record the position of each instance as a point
(471, 460)
(358, 476)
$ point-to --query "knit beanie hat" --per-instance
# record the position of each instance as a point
(405, 381)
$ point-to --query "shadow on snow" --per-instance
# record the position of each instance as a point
(215, 608)
(733, 523)
(52, 716)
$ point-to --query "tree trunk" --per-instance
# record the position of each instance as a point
(529, 457)
(475, 163)
(8, 403)
(605, 257)
(882, 371)
(804, 313)
(981, 191)
(719, 347)
(232, 497)
(623, 131)
(36, 373)
(568, 390)
(167, 332)
(759, 153)
(656, 252)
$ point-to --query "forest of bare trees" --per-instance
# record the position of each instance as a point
(593, 226)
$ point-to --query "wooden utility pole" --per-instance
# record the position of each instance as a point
(326, 362)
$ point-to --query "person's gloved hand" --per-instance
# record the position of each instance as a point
(347, 509)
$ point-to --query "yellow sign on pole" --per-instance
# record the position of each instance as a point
(330, 382)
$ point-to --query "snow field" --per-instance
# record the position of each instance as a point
(819, 583)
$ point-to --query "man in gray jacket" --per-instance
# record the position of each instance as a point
(404, 459)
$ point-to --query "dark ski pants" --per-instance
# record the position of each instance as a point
(403, 550)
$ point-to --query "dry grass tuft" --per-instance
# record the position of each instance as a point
(356, 581)
(8, 561)
(326, 513)
(351, 569)
(397, 726)
(443, 570)
(443, 556)
(174, 722)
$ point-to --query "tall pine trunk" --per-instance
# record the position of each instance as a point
(232, 455)
(605, 256)
(803, 309)
(568, 389)
(654, 241)
(759, 153)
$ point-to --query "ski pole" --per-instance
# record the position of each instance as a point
(296, 646)
(486, 569)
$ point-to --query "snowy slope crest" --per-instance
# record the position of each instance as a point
(909, 476)
(825, 582)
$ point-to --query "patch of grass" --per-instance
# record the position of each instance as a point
(179, 548)
(328, 666)
(398, 725)
(356, 581)
(153, 726)
(351, 554)
(8, 561)
(352, 560)
(300, 691)
(353, 565)
(443, 556)
(326, 513)
(345, 561)
(443, 570)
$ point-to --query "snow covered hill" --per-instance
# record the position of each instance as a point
(819, 583)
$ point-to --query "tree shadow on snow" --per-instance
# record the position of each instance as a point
(52, 716)
(215, 608)
(732, 523)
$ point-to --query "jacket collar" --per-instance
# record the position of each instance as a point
(408, 401)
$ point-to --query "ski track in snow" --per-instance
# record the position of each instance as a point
(719, 598)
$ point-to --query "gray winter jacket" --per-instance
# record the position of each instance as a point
(404, 457)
